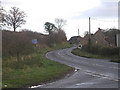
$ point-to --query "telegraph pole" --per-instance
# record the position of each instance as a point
(78, 31)
(89, 41)
(89, 25)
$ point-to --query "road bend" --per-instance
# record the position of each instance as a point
(89, 73)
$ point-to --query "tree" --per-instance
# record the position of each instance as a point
(50, 27)
(60, 23)
(15, 18)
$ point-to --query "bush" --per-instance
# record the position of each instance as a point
(16, 44)
(104, 51)
(56, 38)
(107, 51)
(20, 43)
(92, 49)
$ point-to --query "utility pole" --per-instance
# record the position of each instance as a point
(89, 25)
(89, 41)
(118, 41)
(78, 31)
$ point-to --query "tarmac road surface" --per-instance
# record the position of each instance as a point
(89, 73)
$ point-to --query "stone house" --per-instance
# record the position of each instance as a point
(99, 38)
(75, 39)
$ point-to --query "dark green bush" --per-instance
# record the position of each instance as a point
(104, 51)
(107, 51)
(85, 48)
(92, 49)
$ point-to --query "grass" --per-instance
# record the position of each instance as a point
(90, 55)
(32, 69)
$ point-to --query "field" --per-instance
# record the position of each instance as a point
(32, 69)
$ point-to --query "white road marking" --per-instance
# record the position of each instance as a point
(91, 72)
(102, 76)
(94, 74)
(78, 84)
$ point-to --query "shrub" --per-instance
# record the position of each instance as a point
(16, 44)
(104, 51)
(56, 38)
(20, 43)
(107, 51)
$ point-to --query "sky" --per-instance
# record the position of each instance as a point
(103, 13)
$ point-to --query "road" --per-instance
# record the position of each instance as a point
(89, 73)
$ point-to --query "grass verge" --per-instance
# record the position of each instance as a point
(33, 69)
(90, 55)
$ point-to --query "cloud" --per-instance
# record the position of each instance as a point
(11, 2)
(76, 12)
(107, 9)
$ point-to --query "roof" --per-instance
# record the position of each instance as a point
(75, 39)
(98, 38)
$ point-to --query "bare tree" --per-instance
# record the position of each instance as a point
(15, 18)
(60, 23)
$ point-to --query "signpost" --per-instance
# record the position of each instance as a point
(34, 41)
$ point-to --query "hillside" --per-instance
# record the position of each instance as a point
(24, 64)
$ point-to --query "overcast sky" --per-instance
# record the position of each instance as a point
(103, 13)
